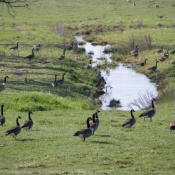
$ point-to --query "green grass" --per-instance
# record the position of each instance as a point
(50, 147)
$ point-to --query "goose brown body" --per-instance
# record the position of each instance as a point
(28, 123)
(15, 47)
(31, 56)
(153, 68)
(149, 113)
(61, 81)
(15, 130)
(85, 133)
(130, 121)
(135, 52)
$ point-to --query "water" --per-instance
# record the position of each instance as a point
(127, 85)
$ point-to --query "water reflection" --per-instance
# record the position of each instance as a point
(123, 83)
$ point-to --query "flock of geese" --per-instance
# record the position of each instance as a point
(92, 123)
(15, 130)
(135, 53)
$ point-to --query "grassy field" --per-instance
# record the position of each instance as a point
(50, 147)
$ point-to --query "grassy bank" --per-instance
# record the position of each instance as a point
(50, 147)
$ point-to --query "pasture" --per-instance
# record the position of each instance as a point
(50, 147)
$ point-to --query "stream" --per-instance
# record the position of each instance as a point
(122, 83)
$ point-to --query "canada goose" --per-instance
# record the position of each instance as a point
(28, 123)
(89, 65)
(31, 56)
(85, 133)
(62, 56)
(130, 121)
(15, 130)
(166, 55)
(149, 113)
(172, 126)
(2, 118)
(143, 63)
(14, 47)
(61, 81)
(172, 52)
(159, 50)
(3, 85)
(54, 83)
(93, 122)
(71, 46)
(135, 52)
(154, 68)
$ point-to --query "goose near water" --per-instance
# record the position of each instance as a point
(149, 113)
(153, 68)
(130, 121)
(135, 52)
(15, 130)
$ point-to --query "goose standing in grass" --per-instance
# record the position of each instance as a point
(3, 85)
(61, 81)
(15, 47)
(15, 130)
(54, 83)
(172, 126)
(159, 50)
(130, 121)
(2, 118)
(166, 55)
(89, 66)
(63, 55)
(142, 63)
(135, 52)
(28, 123)
(153, 68)
(93, 123)
(85, 133)
(149, 113)
(31, 56)
(97, 121)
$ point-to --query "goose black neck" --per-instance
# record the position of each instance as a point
(145, 61)
(63, 77)
(88, 125)
(152, 103)
(55, 77)
(29, 116)
(2, 109)
(132, 114)
(17, 123)
(5, 79)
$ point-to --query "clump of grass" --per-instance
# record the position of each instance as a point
(114, 103)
